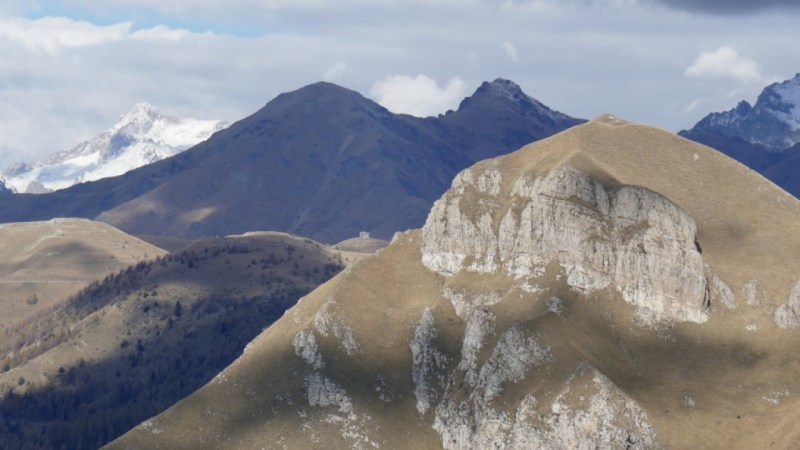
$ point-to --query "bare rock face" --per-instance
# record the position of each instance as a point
(788, 314)
(627, 238)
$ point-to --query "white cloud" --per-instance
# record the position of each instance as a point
(52, 33)
(161, 33)
(335, 73)
(419, 96)
(725, 62)
(582, 57)
(511, 51)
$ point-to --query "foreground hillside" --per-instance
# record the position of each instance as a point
(594, 290)
(322, 161)
(132, 345)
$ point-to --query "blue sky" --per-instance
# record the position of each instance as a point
(70, 68)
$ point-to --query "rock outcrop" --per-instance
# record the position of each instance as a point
(625, 237)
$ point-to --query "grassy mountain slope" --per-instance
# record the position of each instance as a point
(658, 308)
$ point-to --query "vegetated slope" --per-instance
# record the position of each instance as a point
(132, 345)
(613, 286)
(142, 136)
(322, 162)
(43, 263)
(764, 137)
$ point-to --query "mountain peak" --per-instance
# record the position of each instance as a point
(140, 136)
(772, 123)
(321, 99)
(500, 89)
(141, 113)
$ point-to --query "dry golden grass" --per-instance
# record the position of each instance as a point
(55, 259)
(713, 385)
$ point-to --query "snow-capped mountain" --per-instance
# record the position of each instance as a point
(764, 136)
(140, 137)
(773, 122)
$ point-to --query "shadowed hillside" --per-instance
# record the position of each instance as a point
(133, 344)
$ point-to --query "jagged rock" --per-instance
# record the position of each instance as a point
(788, 314)
(628, 237)
(329, 322)
(428, 363)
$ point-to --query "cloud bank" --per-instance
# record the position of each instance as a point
(70, 68)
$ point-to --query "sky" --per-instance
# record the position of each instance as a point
(70, 68)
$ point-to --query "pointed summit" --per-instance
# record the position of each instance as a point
(499, 91)
(501, 109)
(773, 122)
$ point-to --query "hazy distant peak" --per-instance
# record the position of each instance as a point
(773, 122)
(323, 98)
(506, 93)
(141, 136)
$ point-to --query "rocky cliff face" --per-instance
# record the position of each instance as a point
(558, 297)
(627, 238)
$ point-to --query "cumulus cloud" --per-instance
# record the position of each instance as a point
(419, 96)
(511, 51)
(725, 62)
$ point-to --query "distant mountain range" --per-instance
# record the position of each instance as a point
(322, 162)
(764, 136)
(140, 137)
